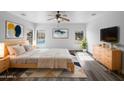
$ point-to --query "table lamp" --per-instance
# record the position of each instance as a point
(1, 49)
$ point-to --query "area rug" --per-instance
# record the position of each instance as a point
(54, 73)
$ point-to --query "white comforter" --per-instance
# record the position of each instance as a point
(45, 58)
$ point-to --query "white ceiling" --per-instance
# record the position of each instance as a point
(42, 16)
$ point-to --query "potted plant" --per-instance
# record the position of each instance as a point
(84, 44)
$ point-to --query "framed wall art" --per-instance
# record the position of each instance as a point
(79, 36)
(60, 33)
(30, 37)
(13, 30)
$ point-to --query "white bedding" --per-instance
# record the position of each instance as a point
(45, 58)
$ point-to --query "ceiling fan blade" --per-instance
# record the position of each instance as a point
(51, 18)
(65, 19)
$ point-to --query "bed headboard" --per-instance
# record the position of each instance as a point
(13, 42)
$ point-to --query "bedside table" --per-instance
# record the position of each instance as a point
(4, 64)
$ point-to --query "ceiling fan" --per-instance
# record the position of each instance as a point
(59, 17)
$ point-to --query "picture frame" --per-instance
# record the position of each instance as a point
(60, 33)
(79, 35)
(13, 30)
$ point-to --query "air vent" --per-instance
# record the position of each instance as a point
(23, 14)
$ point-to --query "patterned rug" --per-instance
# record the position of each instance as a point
(54, 73)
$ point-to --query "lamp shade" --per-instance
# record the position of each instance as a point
(1, 49)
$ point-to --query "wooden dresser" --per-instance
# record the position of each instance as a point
(111, 58)
(4, 64)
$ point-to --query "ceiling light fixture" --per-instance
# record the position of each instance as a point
(59, 17)
(93, 14)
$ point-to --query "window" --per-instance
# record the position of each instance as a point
(40, 38)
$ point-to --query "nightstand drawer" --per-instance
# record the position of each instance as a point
(3, 68)
(4, 64)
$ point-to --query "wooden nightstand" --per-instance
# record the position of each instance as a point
(4, 64)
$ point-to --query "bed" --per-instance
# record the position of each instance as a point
(42, 58)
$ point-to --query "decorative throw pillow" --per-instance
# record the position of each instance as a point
(11, 49)
(19, 50)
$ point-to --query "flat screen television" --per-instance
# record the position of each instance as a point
(110, 34)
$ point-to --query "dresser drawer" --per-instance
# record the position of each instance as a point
(108, 64)
(106, 58)
(4, 64)
(108, 53)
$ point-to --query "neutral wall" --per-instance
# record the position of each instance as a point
(107, 20)
(7, 16)
(69, 43)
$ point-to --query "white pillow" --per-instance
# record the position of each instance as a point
(11, 49)
(19, 50)
(28, 47)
